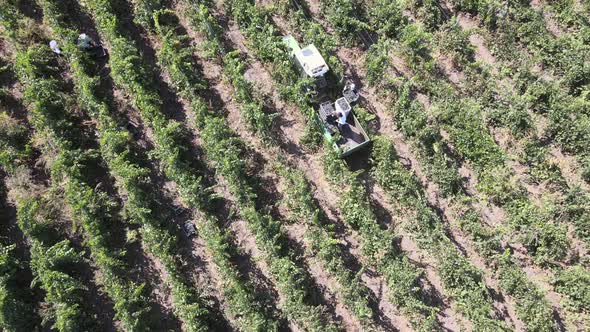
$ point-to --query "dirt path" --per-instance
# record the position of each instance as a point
(550, 22)
(239, 228)
(435, 198)
(99, 305)
(99, 308)
(197, 268)
(567, 165)
(503, 138)
(493, 213)
(310, 163)
(144, 267)
(352, 60)
(236, 37)
(503, 304)
(570, 168)
(197, 262)
(387, 127)
(494, 216)
(328, 286)
(482, 53)
(141, 265)
(295, 231)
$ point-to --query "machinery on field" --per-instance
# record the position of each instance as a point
(333, 106)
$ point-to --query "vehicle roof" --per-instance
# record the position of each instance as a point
(311, 57)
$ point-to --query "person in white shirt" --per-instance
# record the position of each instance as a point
(88, 44)
(85, 42)
(341, 115)
(342, 118)
(54, 47)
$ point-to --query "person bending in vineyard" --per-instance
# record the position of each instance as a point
(86, 43)
(54, 47)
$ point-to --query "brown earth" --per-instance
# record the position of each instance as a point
(382, 201)
(291, 127)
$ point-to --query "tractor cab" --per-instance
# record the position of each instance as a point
(311, 64)
(344, 131)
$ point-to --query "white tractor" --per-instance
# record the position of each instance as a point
(337, 118)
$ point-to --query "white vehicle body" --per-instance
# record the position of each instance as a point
(312, 61)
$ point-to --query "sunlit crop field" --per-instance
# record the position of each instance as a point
(175, 176)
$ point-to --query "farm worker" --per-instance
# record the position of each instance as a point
(85, 42)
(54, 47)
(342, 118)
